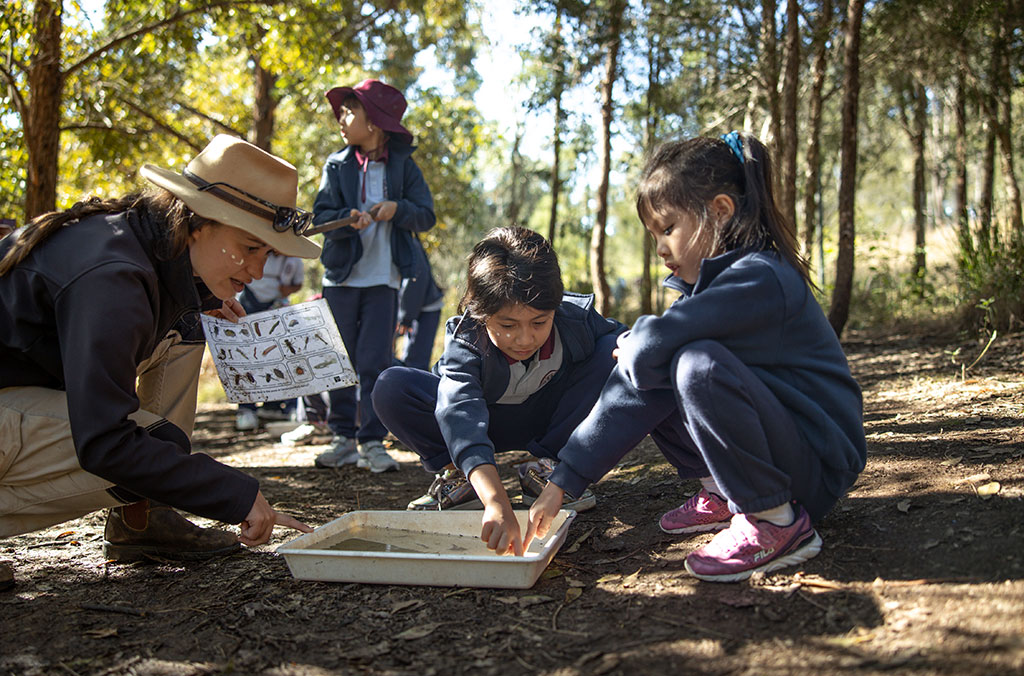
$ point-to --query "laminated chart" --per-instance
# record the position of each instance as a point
(277, 354)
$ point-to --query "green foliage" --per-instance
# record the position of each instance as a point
(992, 288)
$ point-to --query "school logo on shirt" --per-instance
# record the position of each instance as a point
(547, 378)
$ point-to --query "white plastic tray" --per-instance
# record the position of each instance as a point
(418, 548)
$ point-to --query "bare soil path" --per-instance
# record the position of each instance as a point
(922, 570)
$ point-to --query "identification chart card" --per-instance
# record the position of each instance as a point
(277, 354)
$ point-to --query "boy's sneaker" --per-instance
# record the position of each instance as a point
(374, 457)
(533, 477)
(342, 452)
(246, 420)
(450, 490)
(751, 545)
(703, 512)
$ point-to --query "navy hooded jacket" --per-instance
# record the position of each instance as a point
(339, 194)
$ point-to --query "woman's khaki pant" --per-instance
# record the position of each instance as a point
(41, 482)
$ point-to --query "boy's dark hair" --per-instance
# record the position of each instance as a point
(688, 174)
(511, 266)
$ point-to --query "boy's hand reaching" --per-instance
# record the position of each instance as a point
(543, 513)
(500, 527)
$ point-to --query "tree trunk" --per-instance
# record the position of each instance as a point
(789, 130)
(917, 140)
(839, 313)
(264, 105)
(650, 133)
(512, 209)
(812, 177)
(602, 300)
(42, 126)
(556, 179)
(960, 169)
(1012, 187)
(988, 180)
(770, 69)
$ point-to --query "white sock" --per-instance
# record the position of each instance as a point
(782, 515)
(709, 484)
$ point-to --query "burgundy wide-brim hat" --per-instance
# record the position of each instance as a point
(384, 105)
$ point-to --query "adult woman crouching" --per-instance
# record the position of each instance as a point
(100, 349)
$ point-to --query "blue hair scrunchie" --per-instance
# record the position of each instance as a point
(732, 139)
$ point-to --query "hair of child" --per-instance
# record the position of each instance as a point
(688, 174)
(511, 266)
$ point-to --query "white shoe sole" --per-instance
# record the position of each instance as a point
(363, 463)
(703, 528)
(808, 551)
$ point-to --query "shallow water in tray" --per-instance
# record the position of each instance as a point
(406, 541)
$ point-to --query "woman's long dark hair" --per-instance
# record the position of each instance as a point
(688, 174)
(511, 266)
(177, 221)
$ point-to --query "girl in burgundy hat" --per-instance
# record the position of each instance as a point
(374, 180)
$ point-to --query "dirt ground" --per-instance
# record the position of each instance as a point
(922, 570)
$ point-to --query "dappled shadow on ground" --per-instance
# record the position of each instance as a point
(921, 570)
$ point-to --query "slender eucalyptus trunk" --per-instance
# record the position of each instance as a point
(789, 131)
(602, 293)
(839, 312)
(812, 176)
(264, 105)
(917, 138)
(42, 124)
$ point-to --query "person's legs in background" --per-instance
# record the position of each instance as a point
(419, 341)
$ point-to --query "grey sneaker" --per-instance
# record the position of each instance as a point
(533, 477)
(374, 457)
(342, 452)
(450, 490)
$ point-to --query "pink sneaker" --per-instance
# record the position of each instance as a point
(750, 545)
(703, 512)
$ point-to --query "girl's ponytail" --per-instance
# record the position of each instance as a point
(758, 173)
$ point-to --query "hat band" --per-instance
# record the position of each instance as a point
(208, 187)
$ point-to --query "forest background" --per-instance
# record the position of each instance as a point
(893, 124)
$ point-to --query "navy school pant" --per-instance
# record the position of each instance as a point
(405, 399)
(365, 319)
(420, 340)
(717, 419)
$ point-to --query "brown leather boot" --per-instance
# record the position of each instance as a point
(143, 530)
(6, 576)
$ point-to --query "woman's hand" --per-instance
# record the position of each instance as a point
(500, 527)
(543, 513)
(230, 310)
(260, 522)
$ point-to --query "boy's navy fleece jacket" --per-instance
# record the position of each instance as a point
(339, 193)
(474, 373)
(758, 306)
(79, 314)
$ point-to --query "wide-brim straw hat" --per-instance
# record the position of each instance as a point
(247, 168)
